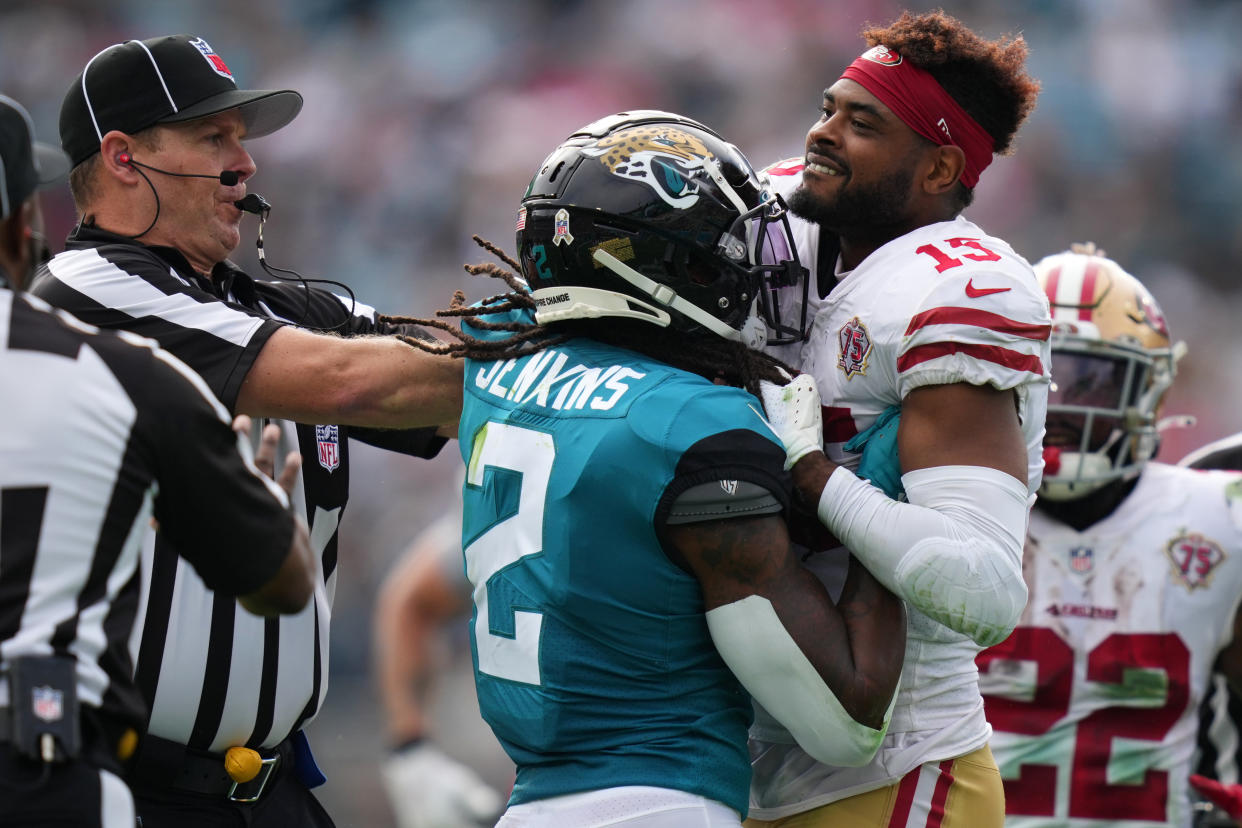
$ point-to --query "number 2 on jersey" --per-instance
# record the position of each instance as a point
(1091, 796)
(507, 638)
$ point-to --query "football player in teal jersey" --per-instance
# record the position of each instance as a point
(625, 510)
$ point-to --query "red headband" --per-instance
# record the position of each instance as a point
(922, 104)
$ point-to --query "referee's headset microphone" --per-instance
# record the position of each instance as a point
(251, 203)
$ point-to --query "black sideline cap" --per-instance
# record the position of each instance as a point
(26, 165)
(139, 83)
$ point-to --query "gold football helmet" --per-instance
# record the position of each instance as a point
(1112, 362)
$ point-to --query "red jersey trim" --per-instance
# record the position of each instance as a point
(979, 319)
(987, 353)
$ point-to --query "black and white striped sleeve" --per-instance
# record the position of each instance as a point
(224, 516)
(129, 287)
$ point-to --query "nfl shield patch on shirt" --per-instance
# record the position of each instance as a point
(327, 439)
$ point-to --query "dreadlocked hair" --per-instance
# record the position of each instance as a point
(708, 355)
(986, 78)
(526, 339)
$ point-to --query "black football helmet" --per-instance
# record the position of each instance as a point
(650, 215)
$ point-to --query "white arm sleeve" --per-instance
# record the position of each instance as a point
(954, 551)
(759, 650)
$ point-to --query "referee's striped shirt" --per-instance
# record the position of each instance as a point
(214, 675)
(92, 429)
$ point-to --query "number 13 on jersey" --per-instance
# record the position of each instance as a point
(520, 462)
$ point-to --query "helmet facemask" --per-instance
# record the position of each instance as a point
(1102, 410)
(1112, 364)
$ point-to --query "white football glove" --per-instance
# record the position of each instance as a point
(429, 789)
(796, 415)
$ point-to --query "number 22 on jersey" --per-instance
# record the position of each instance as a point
(1138, 687)
(520, 462)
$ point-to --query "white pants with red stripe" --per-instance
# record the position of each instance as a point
(965, 792)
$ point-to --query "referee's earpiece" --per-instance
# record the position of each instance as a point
(124, 158)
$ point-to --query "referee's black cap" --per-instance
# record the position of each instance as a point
(139, 83)
(26, 165)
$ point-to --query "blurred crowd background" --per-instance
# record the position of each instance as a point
(424, 120)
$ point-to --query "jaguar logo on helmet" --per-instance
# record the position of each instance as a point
(882, 55)
(666, 159)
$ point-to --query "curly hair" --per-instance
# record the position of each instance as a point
(708, 355)
(986, 78)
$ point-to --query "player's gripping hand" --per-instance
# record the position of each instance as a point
(796, 415)
(879, 463)
(1226, 797)
(429, 789)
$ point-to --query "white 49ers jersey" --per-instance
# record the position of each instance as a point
(946, 303)
(1093, 700)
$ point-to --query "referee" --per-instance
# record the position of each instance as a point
(92, 445)
(154, 129)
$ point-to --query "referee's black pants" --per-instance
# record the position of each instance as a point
(284, 803)
(75, 793)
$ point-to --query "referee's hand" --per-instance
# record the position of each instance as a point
(265, 454)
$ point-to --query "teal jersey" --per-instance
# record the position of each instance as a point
(593, 661)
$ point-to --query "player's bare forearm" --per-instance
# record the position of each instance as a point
(875, 621)
(810, 475)
(734, 559)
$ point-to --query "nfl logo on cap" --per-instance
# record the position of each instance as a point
(217, 62)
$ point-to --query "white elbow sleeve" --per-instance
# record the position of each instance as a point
(954, 551)
(759, 650)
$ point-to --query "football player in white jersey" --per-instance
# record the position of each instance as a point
(1135, 574)
(913, 305)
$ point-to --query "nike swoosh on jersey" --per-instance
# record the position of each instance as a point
(974, 292)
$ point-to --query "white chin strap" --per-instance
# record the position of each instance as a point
(1081, 475)
(556, 304)
(665, 296)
